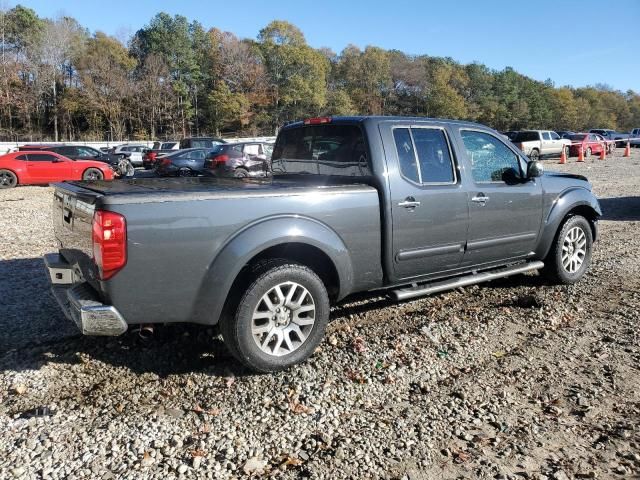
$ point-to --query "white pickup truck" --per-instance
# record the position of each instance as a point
(541, 143)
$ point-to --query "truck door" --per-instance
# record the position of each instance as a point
(505, 209)
(546, 144)
(428, 204)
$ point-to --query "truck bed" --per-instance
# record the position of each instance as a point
(178, 229)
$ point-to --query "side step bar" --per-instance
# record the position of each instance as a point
(435, 287)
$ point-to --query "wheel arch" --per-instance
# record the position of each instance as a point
(302, 240)
(575, 201)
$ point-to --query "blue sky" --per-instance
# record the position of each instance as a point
(572, 42)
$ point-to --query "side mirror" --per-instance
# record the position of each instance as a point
(534, 169)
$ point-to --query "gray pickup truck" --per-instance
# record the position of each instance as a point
(413, 206)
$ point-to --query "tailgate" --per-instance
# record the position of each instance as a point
(73, 208)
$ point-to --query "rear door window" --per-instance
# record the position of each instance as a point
(321, 149)
(424, 155)
(546, 136)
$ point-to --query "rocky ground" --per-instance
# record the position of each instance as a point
(513, 379)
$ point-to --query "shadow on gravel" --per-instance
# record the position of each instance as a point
(620, 208)
(35, 332)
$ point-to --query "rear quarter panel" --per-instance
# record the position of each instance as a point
(184, 255)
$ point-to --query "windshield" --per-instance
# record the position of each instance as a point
(321, 150)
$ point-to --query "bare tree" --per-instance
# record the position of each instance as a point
(58, 39)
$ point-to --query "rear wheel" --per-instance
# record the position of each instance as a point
(280, 319)
(185, 172)
(8, 179)
(588, 153)
(92, 174)
(240, 173)
(570, 254)
(534, 155)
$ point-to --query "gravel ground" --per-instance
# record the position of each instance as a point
(513, 379)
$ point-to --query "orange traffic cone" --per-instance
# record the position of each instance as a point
(580, 154)
(603, 152)
(627, 150)
(563, 157)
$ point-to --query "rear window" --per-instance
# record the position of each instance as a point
(526, 137)
(321, 150)
(577, 137)
(165, 146)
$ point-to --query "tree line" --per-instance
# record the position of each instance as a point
(175, 78)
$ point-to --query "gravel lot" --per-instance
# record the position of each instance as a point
(513, 379)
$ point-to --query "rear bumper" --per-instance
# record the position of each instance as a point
(80, 302)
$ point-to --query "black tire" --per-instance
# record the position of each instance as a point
(240, 173)
(567, 151)
(92, 174)
(184, 172)
(587, 153)
(8, 179)
(554, 268)
(236, 324)
(534, 156)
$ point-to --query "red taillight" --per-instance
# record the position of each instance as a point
(152, 156)
(109, 236)
(317, 120)
(219, 160)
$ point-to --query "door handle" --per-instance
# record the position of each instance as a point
(480, 198)
(409, 202)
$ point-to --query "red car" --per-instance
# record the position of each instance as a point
(589, 142)
(41, 168)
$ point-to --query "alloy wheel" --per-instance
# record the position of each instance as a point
(283, 319)
(574, 250)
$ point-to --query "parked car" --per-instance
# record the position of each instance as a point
(249, 159)
(541, 143)
(200, 142)
(610, 145)
(182, 163)
(634, 137)
(588, 142)
(35, 167)
(132, 152)
(620, 138)
(81, 152)
(160, 149)
(414, 206)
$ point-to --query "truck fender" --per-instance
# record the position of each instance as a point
(257, 237)
(574, 198)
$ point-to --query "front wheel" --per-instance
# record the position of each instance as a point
(570, 254)
(280, 319)
(8, 179)
(588, 153)
(92, 174)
